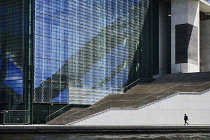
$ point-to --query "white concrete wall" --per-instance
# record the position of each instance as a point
(184, 68)
(205, 45)
(169, 111)
(182, 12)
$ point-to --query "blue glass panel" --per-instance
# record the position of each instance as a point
(84, 44)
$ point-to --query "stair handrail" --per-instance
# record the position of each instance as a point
(114, 100)
(55, 112)
(135, 82)
(160, 73)
(47, 118)
(99, 104)
(201, 92)
(126, 100)
(141, 98)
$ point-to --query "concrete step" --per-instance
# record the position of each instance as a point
(59, 120)
(144, 94)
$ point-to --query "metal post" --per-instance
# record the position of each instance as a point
(4, 118)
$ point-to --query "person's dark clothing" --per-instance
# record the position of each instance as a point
(185, 120)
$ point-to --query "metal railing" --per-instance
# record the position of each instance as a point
(62, 110)
(138, 81)
(125, 104)
(142, 80)
(14, 116)
(57, 113)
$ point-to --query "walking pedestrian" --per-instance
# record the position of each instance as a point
(185, 119)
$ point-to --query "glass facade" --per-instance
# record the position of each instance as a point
(58, 52)
(83, 49)
(11, 53)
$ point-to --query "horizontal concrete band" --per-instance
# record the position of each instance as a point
(102, 129)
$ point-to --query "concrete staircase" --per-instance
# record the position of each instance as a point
(142, 95)
(59, 120)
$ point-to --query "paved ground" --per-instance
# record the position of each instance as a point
(105, 129)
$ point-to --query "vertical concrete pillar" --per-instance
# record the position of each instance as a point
(205, 46)
(162, 37)
(185, 36)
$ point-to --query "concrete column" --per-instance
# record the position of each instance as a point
(162, 37)
(185, 36)
(205, 46)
